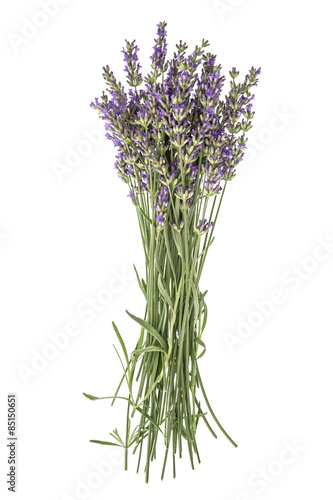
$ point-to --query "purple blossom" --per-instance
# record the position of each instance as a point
(160, 47)
(177, 133)
(203, 226)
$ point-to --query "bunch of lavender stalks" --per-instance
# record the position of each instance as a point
(178, 147)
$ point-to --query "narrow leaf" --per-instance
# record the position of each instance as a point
(149, 329)
(200, 342)
(205, 315)
(140, 282)
(122, 343)
(176, 238)
(164, 292)
(149, 418)
(148, 349)
(94, 398)
(144, 285)
(104, 442)
(145, 216)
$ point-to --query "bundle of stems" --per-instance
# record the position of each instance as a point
(178, 149)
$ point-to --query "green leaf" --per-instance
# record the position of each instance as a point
(200, 342)
(205, 315)
(183, 432)
(144, 285)
(122, 343)
(149, 418)
(153, 382)
(176, 239)
(94, 398)
(141, 339)
(145, 215)
(104, 442)
(140, 283)
(149, 329)
(115, 434)
(148, 349)
(164, 292)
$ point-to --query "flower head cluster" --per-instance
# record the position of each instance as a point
(203, 226)
(178, 141)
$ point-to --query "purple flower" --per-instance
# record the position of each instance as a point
(203, 226)
(160, 48)
(177, 139)
(132, 66)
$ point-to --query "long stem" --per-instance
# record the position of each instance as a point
(170, 380)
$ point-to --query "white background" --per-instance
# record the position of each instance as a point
(66, 238)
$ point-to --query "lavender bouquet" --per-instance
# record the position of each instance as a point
(178, 147)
